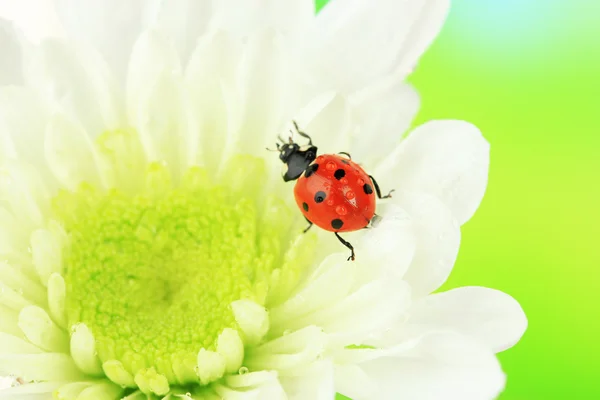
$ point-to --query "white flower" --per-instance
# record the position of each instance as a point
(150, 247)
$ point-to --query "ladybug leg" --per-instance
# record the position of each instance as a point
(346, 154)
(310, 224)
(304, 135)
(378, 191)
(348, 245)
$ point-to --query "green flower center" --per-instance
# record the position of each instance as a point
(153, 275)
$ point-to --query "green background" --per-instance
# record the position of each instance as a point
(527, 72)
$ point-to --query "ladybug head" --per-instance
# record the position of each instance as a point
(295, 158)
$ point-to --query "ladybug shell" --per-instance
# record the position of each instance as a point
(336, 194)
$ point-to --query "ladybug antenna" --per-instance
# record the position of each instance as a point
(299, 132)
(278, 147)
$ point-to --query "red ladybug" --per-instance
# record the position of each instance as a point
(332, 191)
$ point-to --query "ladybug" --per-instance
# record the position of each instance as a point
(332, 191)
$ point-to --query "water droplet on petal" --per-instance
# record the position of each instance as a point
(243, 370)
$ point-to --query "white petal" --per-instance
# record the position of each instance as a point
(9, 320)
(75, 78)
(41, 331)
(264, 91)
(46, 251)
(246, 17)
(83, 350)
(442, 366)
(315, 383)
(351, 380)
(15, 278)
(116, 372)
(231, 347)
(437, 241)
(41, 367)
(23, 119)
(70, 153)
(104, 390)
(184, 21)
(155, 99)
(335, 280)
(252, 318)
(288, 354)
(351, 56)
(209, 76)
(95, 21)
(10, 48)
(383, 114)
(331, 126)
(30, 391)
(10, 344)
(14, 240)
(71, 391)
(491, 316)
(371, 309)
(448, 159)
(210, 367)
(250, 386)
(57, 299)
(12, 299)
(389, 246)
(22, 188)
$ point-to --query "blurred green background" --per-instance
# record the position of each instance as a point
(527, 72)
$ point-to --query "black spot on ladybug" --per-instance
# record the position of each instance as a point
(367, 188)
(339, 174)
(320, 196)
(337, 223)
(305, 206)
(310, 170)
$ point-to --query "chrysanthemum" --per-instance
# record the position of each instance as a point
(150, 249)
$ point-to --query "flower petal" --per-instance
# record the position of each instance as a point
(314, 383)
(30, 391)
(351, 57)
(209, 76)
(22, 188)
(83, 350)
(383, 115)
(41, 331)
(441, 366)
(95, 22)
(264, 86)
(250, 386)
(40, 367)
(390, 246)
(75, 79)
(154, 99)
(437, 241)
(70, 153)
(448, 159)
(10, 48)
(246, 17)
(491, 316)
(9, 321)
(330, 124)
(183, 21)
(288, 354)
(23, 119)
(103, 390)
(14, 240)
(10, 344)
